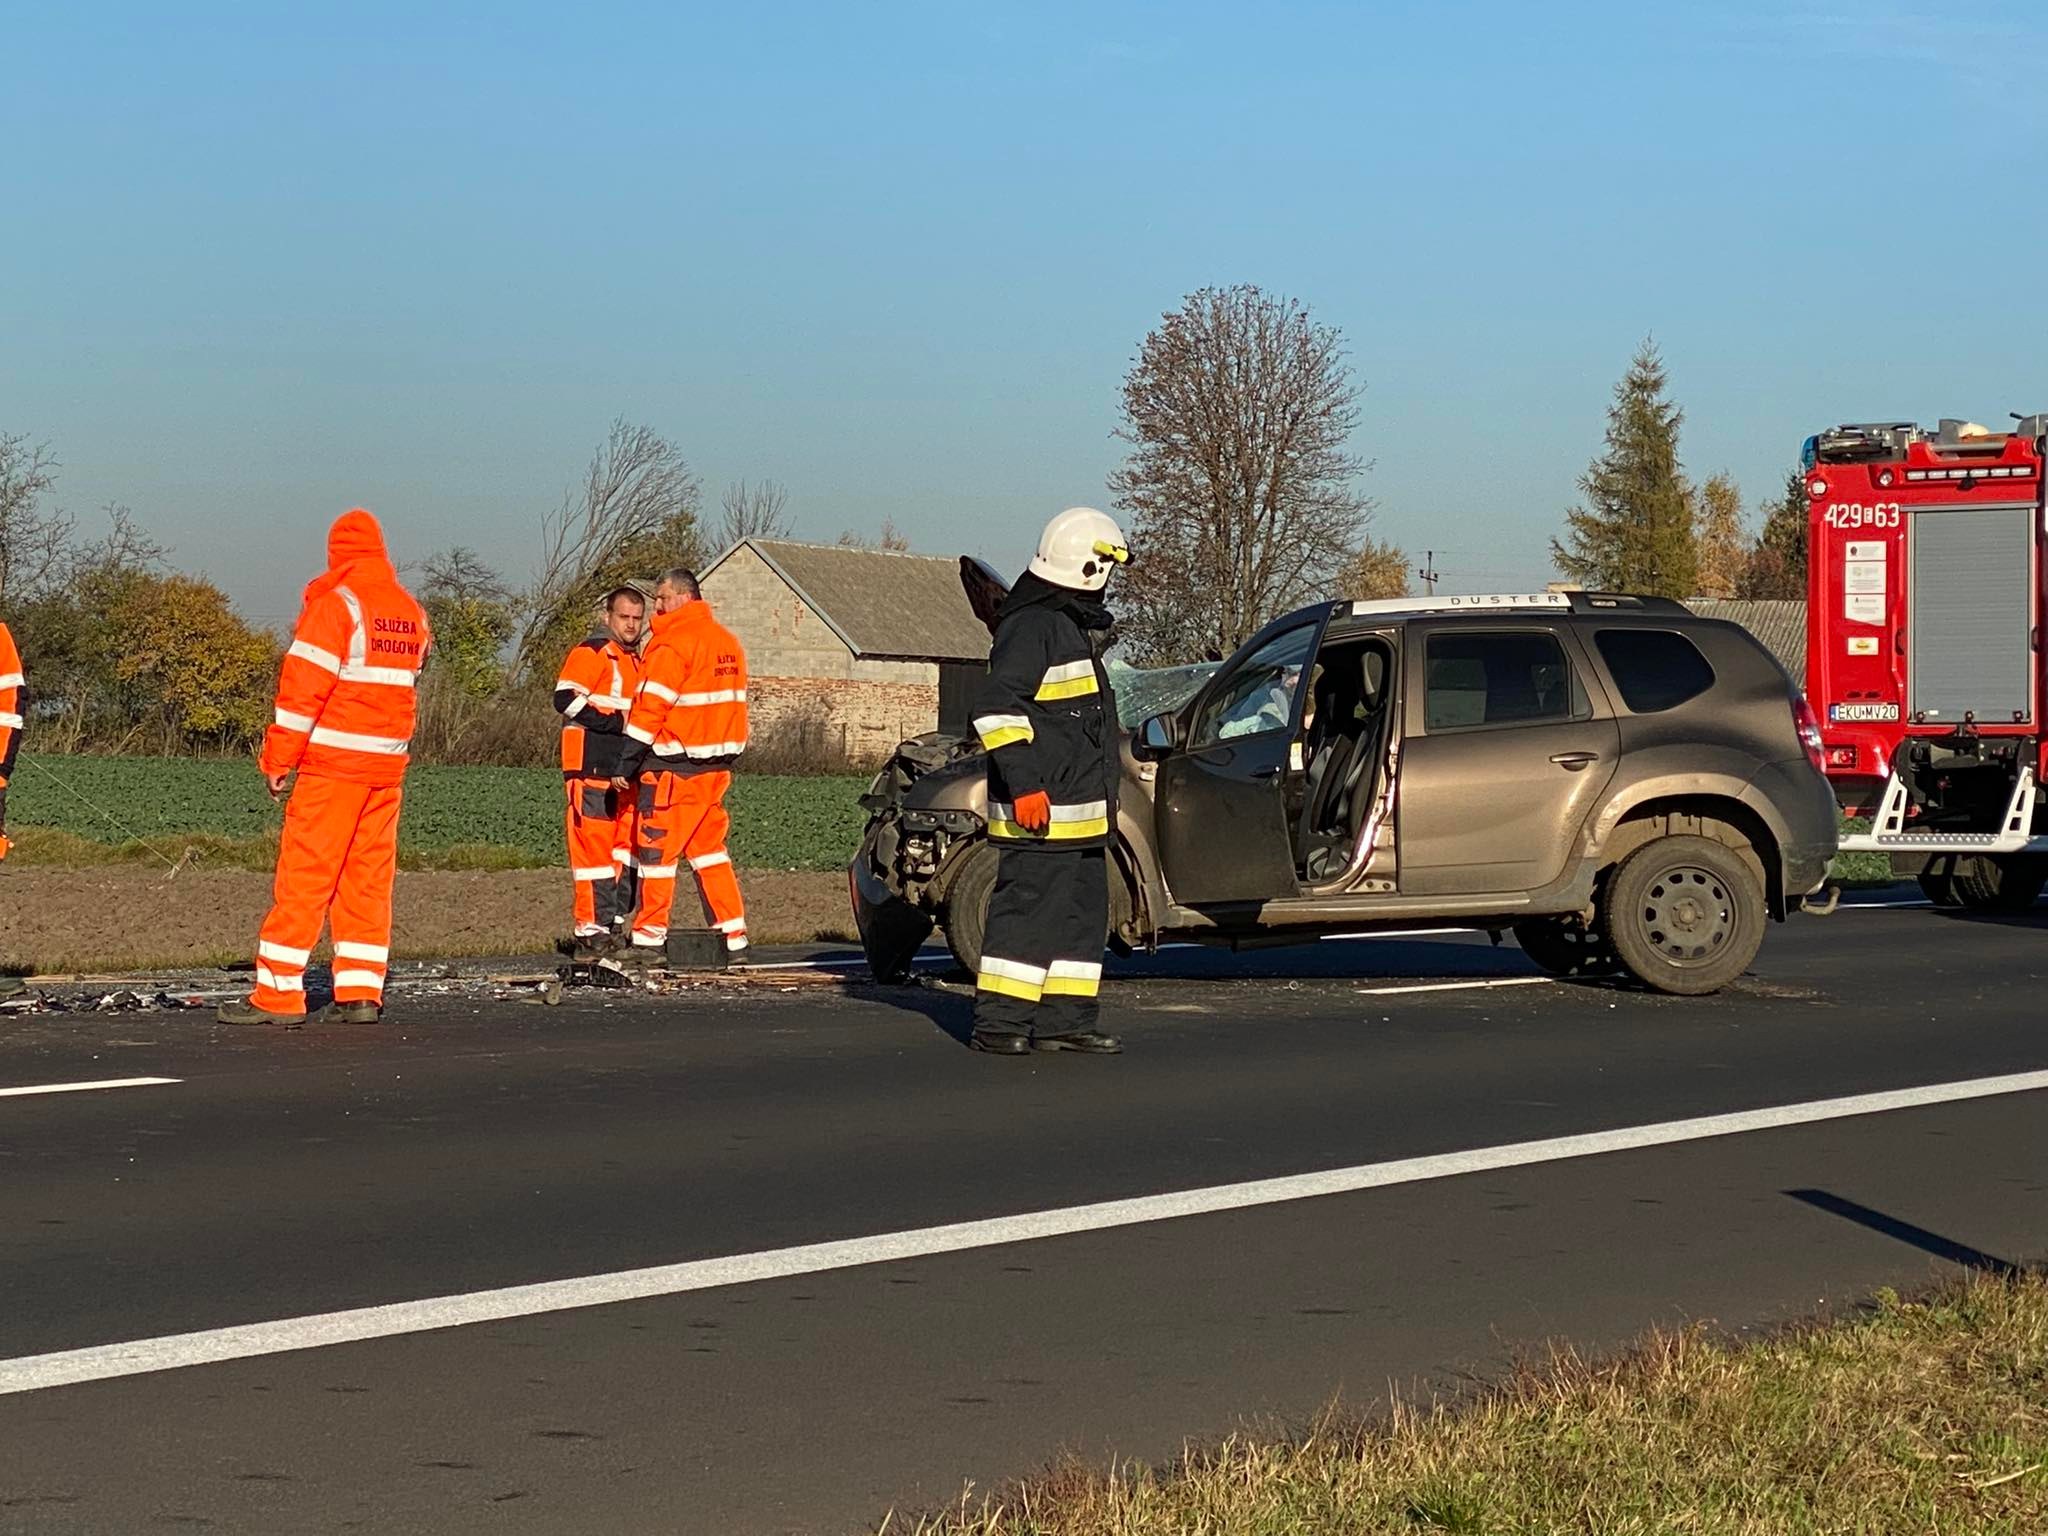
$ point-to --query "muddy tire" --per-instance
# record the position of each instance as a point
(964, 917)
(1938, 879)
(1566, 948)
(1686, 915)
(2000, 882)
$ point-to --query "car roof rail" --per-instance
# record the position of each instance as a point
(1480, 602)
(1624, 602)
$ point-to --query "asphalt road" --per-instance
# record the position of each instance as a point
(470, 1146)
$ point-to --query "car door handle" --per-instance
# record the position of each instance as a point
(1266, 773)
(1574, 761)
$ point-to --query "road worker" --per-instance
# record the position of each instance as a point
(343, 721)
(13, 693)
(687, 727)
(1047, 717)
(592, 695)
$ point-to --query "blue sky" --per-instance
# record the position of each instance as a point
(266, 261)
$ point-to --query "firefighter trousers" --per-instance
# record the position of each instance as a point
(336, 861)
(1041, 952)
(600, 834)
(682, 820)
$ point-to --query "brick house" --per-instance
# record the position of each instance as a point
(849, 651)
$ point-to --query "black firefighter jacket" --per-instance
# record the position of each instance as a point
(1047, 717)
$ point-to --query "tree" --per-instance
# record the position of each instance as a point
(199, 675)
(756, 512)
(1241, 484)
(1777, 563)
(34, 543)
(1722, 542)
(473, 617)
(1378, 570)
(635, 513)
(889, 540)
(1635, 532)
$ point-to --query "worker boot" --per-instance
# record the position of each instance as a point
(589, 948)
(358, 1012)
(242, 1011)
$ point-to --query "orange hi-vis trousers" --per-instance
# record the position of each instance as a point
(337, 859)
(683, 820)
(600, 833)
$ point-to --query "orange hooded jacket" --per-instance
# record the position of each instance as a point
(345, 693)
(690, 712)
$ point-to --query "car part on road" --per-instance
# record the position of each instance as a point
(695, 949)
(1565, 946)
(1686, 915)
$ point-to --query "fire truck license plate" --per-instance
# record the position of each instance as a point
(1847, 712)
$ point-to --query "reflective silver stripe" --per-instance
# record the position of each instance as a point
(645, 738)
(649, 938)
(12, 680)
(9, 718)
(1013, 970)
(569, 682)
(658, 871)
(345, 950)
(278, 982)
(392, 746)
(711, 860)
(305, 650)
(1092, 810)
(358, 642)
(988, 725)
(283, 954)
(593, 871)
(1068, 672)
(374, 980)
(292, 722)
(721, 696)
(736, 943)
(1074, 970)
(389, 677)
(733, 925)
(659, 690)
(722, 749)
(607, 701)
(575, 705)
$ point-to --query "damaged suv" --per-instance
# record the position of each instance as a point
(1624, 785)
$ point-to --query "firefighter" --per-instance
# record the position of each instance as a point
(344, 722)
(687, 727)
(1047, 717)
(592, 696)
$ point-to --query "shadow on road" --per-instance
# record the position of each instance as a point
(1961, 1254)
(951, 1015)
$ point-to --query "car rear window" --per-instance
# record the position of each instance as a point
(1655, 669)
(1497, 678)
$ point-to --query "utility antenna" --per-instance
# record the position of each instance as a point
(1428, 571)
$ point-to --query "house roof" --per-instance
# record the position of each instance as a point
(1780, 623)
(884, 605)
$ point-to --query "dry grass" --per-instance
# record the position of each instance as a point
(1922, 1416)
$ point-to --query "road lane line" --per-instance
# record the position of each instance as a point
(102, 1362)
(105, 1082)
(1461, 986)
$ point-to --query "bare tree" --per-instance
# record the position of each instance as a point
(753, 512)
(35, 542)
(636, 509)
(891, 540)
(459, 573)
(1240, 409)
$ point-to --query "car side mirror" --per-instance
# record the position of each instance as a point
(1156, 736)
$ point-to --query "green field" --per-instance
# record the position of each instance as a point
(778, 823)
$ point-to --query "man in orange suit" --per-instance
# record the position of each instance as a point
(343, 722)
(599, 678)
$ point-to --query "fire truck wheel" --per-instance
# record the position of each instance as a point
(2000, 882)
(1566, 948)
(1686, 915)
(1938, 880)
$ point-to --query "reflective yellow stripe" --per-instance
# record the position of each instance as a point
(1059, 832)
(1072, 986)
(1007, 736)
(1079, 688)
(1007, 986)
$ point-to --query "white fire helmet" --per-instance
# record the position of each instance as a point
(1079, 548)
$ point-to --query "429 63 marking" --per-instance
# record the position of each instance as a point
(1854, 514)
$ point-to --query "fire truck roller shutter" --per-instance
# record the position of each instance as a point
(1969, 604)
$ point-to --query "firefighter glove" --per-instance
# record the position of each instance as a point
(1034, 811)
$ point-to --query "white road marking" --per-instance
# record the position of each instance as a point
(1460, 986)
(34, 1373)
(106, 1082)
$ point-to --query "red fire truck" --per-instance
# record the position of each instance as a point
(1924, 654)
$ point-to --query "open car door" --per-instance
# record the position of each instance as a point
(1221, 805)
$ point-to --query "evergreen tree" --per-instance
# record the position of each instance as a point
(1777, 563)
(1635, 531)
(1718, 532)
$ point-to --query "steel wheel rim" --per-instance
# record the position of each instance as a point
(1687, 915)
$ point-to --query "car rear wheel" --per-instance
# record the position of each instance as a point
(1686, 915)
(2000, 882)
(1566, 947)
(965, 913)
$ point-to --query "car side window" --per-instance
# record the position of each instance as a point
(1259, 696)
(1497, 678)
(1655, 669)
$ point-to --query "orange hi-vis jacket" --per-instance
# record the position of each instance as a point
(592, 696)
(346, 691)
(690, 713)
(12, 692)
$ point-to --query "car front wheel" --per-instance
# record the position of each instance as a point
(1686, 915)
